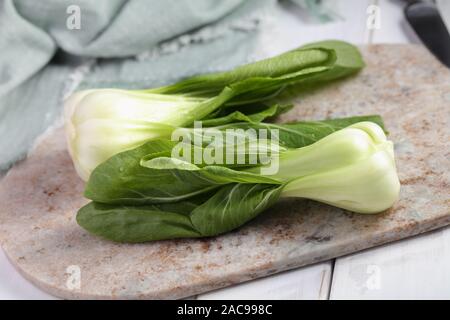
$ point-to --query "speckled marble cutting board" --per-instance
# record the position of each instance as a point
(405, 84)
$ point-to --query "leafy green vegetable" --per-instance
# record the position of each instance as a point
(237, 116)
(125, 179)
(227, 209)
(337, 58)
(135, 224)
(352, 168)
(119, 140)
(102, 123)
(232, 206)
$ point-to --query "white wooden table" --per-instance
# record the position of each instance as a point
(417, 268)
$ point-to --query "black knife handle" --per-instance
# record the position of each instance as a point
(425, 19)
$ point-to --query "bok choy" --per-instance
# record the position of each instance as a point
(154, 173)
(145, 194)
(103, 122)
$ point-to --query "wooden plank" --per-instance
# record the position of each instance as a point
(411, 269)
(393, 25)
(292, 26)
(311, 282)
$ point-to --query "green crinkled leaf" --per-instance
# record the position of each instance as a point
(213, 175)
(303, 133)
(158, 179)
(122, 180)
(228, 208)
(286, 63)
(251, 90)
(238, 116)
(348, 59)
(136, 224)
(265, 79)
(232, 206)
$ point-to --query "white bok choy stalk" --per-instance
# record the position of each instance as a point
(100, 123)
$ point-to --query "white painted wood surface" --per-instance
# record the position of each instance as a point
(417, 268)
(414, 268)
(311, 283)
(393, 26)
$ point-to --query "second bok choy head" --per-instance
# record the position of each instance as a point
(156, 196)
(103, 122)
